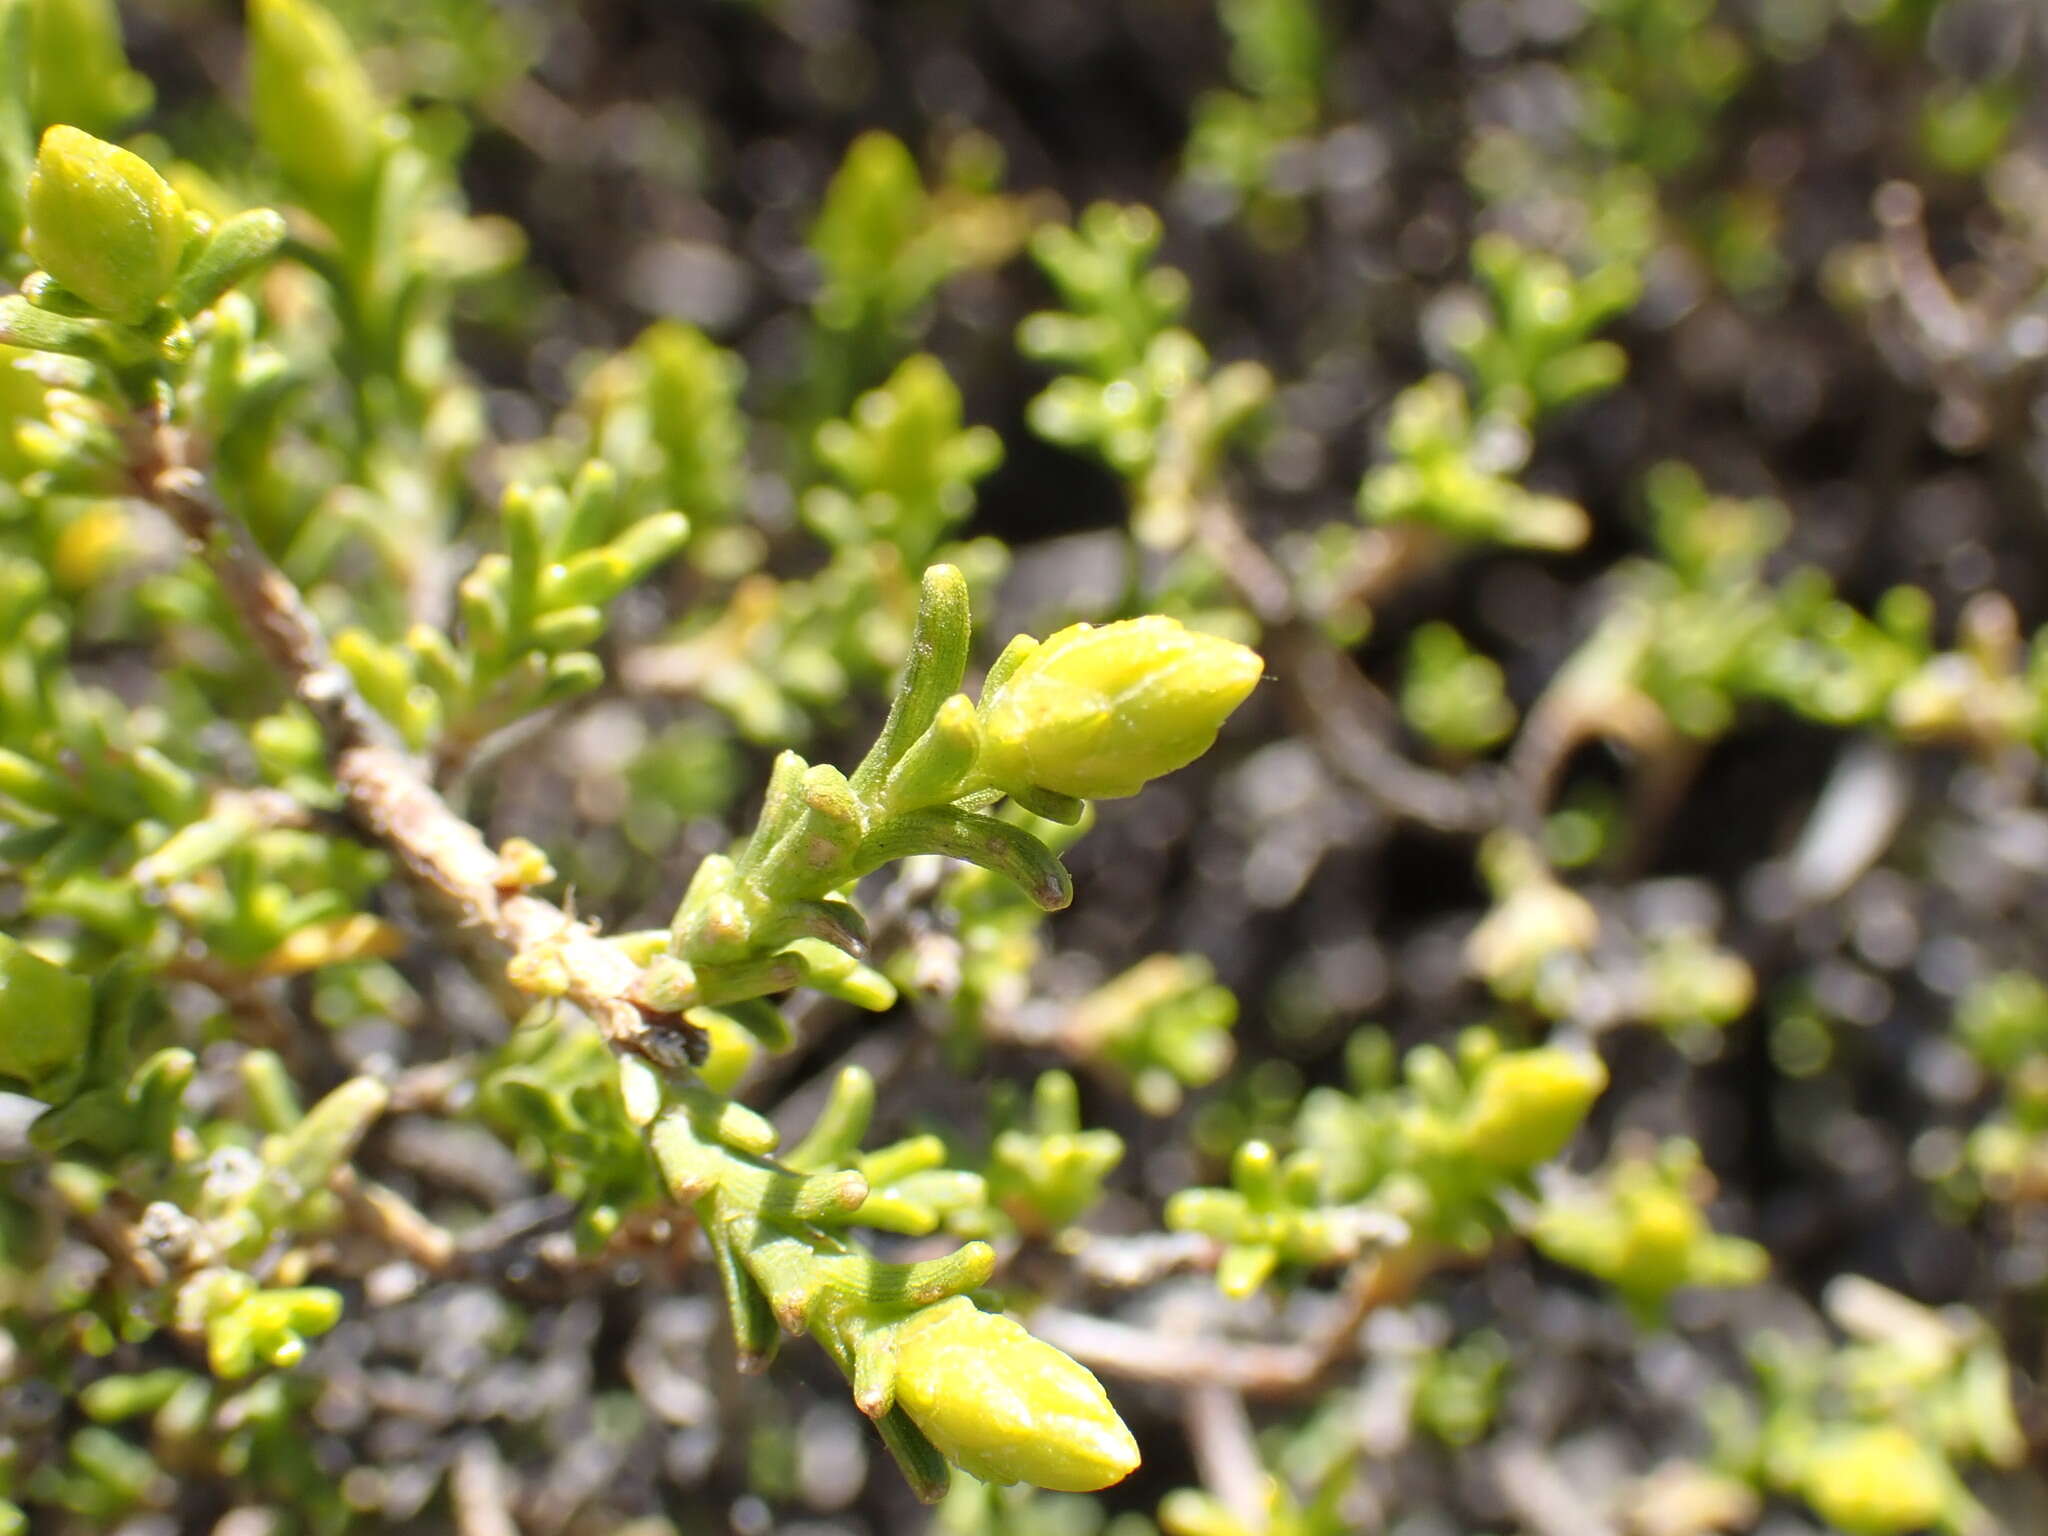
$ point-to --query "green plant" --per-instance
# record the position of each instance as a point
(1091, 712)
(526, 891)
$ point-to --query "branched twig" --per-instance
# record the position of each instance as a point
(1334, 700)
(434, 1087)
(123, 1246)
(1947, 330)
(1258, 1370)
(251, 1001)
(1386, 558)
(479, 1490)
(386, 793)
(1340, 711)
(1131, 1261)
(1220, 1434)
(394, 1220)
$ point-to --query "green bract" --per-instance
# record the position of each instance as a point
(1005, 1407)
(1096, 712)
(104, 224)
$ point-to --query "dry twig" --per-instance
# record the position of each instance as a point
(1349, 721)
(1220, 1434)
(387, 795)
(1255, 1369)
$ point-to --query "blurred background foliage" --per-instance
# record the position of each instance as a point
(1574, 1060)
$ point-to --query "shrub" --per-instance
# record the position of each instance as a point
(1535, 723)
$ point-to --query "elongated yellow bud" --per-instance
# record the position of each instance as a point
(78, 69)
(1877, 1481)
(1527, 1106)
(1096, 712)
(1005, 1407)
(104, 224)
(314, 106)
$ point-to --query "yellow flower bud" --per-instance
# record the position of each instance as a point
(104, 224)
(1527, 1105)
(90, 546)
(77, 68)
(1663, 1230)
(1005, 1407)
(315, 109)
(1878, 1481)
(1096, 712)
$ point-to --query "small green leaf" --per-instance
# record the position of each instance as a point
(994, 845)
(932, 768)
(938, 663)
(45, 1021)
(233, 251)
